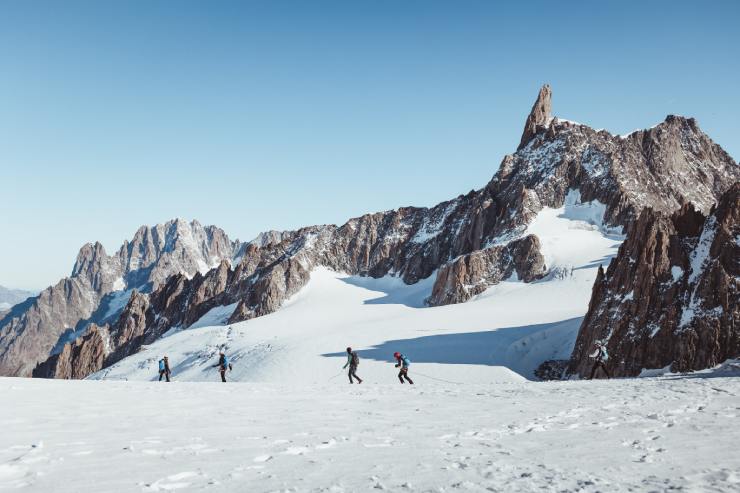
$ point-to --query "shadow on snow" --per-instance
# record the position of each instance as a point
(395, 291)
(521, 349)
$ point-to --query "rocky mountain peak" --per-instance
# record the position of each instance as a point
(99, 281)
(539, 116)
(469, 243)
(87, 257)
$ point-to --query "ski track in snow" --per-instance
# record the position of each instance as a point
(651, 434)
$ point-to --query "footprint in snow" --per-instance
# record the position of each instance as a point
(177, 481)
(83, 452)
(325, 445)
(296, 450)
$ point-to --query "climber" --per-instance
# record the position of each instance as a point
(352, 361)
(600, 356)
(164, 369)
(223, 365)
(403, 362)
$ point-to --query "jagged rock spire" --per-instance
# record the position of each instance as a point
(539, 116)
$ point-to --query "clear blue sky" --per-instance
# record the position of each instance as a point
(274, 115)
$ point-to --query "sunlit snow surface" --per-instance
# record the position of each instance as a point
(665, 434)
(501, 335)
(289, 421)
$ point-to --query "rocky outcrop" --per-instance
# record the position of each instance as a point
(539, 117)
(78, 359)
(552, 369)
(471, 274)
(40, 326)
(103, 346)
(671, 297)
(476, 239)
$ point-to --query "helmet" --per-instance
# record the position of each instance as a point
(396, 354)
(349, 349)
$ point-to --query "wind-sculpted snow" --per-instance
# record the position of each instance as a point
(477, 239)
(652, 434)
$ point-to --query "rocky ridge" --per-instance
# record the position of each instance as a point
(34, 329)
(671, 297)
(470, 242)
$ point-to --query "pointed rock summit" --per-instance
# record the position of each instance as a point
(539, 116)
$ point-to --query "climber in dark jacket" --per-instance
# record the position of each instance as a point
(164, 369)
(600, 356)
(223, 365)
(352, 361)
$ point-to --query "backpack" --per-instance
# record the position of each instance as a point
(161, 365)
(406, 361)
(355, 359)
(603, 355)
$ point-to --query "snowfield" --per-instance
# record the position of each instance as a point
(653, 434)
(288, 421)
(501, 335)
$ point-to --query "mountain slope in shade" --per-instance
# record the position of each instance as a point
(100, 284)
(671, 297)
(464, 245)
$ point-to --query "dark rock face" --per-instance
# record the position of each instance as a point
(474, 240)
(103, 346)
(552, 369)
(79, 359)
(471, 274)
(671, 297)
(32, 330)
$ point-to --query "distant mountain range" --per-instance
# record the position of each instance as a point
(170, 275)
(10, 297)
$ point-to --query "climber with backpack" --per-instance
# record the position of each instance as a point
(353, 360)
(403, 362)
(223, 365)
(600, 356)
(164, 369)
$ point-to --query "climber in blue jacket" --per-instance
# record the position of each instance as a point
(403, 362)
(223, 365)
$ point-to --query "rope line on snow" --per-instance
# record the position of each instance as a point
(438, 379)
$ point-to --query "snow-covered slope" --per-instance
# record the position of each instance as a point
(500, 335)
(665, 434)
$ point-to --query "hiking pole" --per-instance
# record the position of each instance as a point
(335, 376)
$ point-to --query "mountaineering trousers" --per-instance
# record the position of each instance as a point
(223, 374)
(404, 373)
(352, 373)
(164, 373)
(597, 365)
